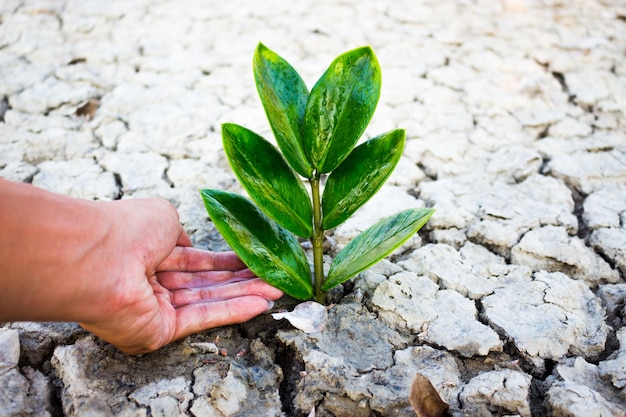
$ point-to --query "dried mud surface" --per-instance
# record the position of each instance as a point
(511, 300)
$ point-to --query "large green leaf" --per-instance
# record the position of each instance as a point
(374, 244)
(268, 179)
(284, 96)
(270, 251)
(340, 107)
(359, 176)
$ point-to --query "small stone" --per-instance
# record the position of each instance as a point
(205, 347)
(167, 397)
(614, 368)
(39, 393)
(496, 391)
(10, 352)
(26, 393)
(605, 208)
(613, 298)
(580, 390)
(227, 395)
(612, 244)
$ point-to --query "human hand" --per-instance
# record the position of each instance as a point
(165, 290)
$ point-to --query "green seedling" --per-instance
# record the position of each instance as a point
(317, 134)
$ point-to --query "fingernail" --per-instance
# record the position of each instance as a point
(270, 304)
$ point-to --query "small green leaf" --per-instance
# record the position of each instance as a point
(284, 96)
(360, 176)
(340, 107)
(268, 179)
(270, 251)
(374, 244)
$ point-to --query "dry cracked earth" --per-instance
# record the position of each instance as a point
(511, 300)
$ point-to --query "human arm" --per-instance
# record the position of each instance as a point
(124, 269)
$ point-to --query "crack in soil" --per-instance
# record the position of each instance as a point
(292, 367)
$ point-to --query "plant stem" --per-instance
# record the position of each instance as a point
(318, 241)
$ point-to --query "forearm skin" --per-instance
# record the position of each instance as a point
(50, 254)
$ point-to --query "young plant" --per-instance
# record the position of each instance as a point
(316, 133)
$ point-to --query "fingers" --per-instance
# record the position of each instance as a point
(187, 296)
(184, 258)
(195, 318)
(177, 280)
(183, 239)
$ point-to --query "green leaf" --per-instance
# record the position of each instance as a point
(268, 179)
(360, 176)
(374, 244)
(340, 107)
(284, 96)
(270, 251)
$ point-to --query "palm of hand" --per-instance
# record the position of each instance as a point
(167, 290)
(168, 305)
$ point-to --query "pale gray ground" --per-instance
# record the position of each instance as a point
(511, 300)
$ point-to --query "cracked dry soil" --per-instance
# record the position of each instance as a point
(511, 300)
